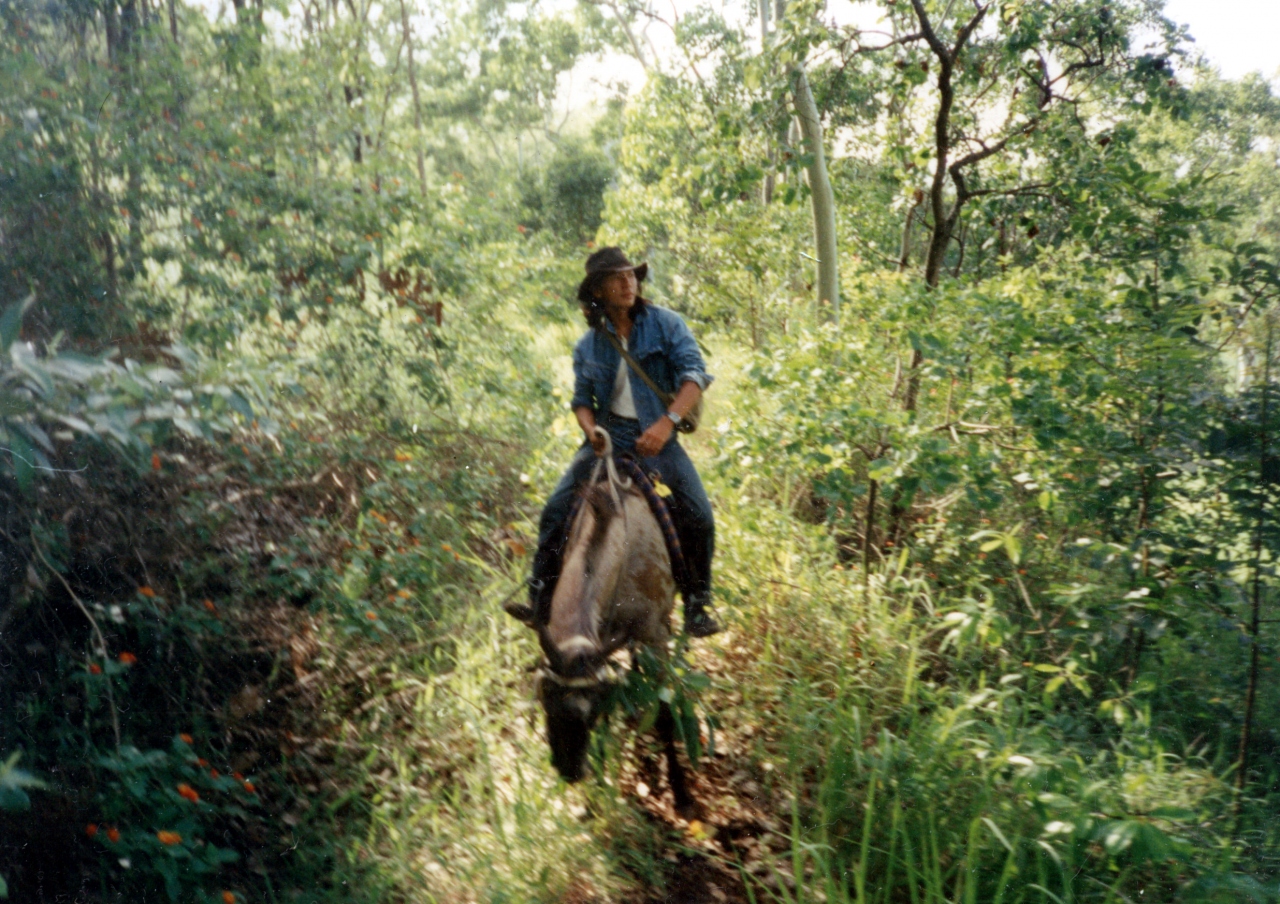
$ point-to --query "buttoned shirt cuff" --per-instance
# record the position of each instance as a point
(695, 376)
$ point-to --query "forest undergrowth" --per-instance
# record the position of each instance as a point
(324, 617)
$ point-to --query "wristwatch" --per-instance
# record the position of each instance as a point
(675, 418)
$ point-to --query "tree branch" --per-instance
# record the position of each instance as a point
(962, 36)
(926, 29)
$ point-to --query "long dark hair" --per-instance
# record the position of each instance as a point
(593, 307)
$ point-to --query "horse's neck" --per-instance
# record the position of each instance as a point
(599, 567)
(588, 577)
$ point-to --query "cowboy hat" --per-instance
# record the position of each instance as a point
(604, 262)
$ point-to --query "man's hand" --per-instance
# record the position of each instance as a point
(653, 439)
(597, 441)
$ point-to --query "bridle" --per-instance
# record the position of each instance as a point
(602, 675)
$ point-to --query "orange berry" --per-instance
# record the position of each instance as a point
(208, 604)
(113, 834)
(228, 897)
(237, 776)
(202, 762)
(248, 786)
(371, 615)
(95, 669)
(169, 838)
(214, 773)
(128, 658)
(155, 462)
(189, 793)
(186, 738)
(91, 829)
(146, 591)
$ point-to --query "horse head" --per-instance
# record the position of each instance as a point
(572, 706)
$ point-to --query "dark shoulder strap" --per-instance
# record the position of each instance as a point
(666, 397)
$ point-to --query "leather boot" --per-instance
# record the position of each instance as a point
(540, 593)
(698, 622)
(538, 611)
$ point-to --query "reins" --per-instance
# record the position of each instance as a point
(617, 485)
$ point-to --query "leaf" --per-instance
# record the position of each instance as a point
(11, 321)
(23, 458)
(37, 435)
(995, 830)
(1179, 814)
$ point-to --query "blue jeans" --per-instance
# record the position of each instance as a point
(689, 505)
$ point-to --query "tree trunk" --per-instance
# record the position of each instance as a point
(942, 219)
(1255, 621)
(904, 258)
(824, 204)
(766, 187)
(173, 20)
(417, 103)
(112, 29)
(631, 36)
(869, 527)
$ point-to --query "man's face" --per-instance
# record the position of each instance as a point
(618, 290)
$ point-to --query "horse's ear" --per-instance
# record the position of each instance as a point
(519, 611)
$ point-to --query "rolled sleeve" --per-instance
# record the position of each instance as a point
(582, 395)
(695, 376)
(686, 357)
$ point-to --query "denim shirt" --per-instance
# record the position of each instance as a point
(660, 342)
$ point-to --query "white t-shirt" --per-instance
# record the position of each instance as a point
(623, 405)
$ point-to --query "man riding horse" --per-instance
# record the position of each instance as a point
(607, 391)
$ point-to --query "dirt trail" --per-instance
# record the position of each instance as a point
(734, 828)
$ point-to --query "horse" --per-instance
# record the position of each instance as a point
(615, 590)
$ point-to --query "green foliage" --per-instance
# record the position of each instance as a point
(14, 783)
(570, 198)
(168, 804)
(65, 397)
(654, 681)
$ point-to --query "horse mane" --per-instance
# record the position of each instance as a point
(600, 500)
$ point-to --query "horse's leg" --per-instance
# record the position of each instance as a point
(666, 726)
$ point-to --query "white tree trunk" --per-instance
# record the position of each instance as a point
(824, 204)
(417, 103)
